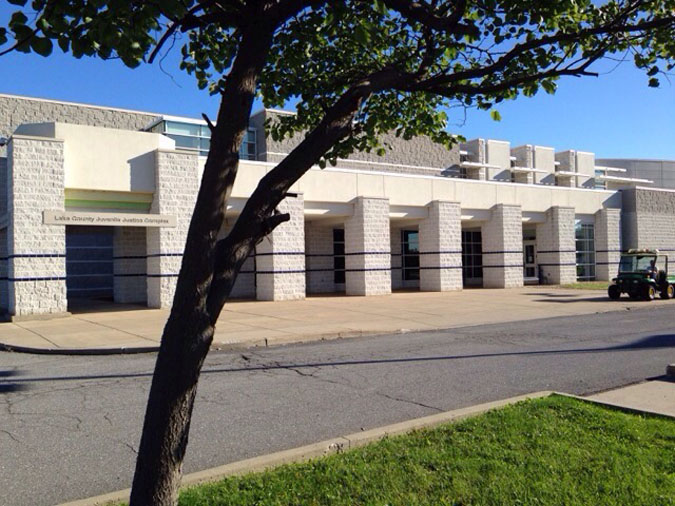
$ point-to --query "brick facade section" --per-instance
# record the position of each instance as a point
(280, 257)
(319, 259)
(176, 184)
(367, 243)
(503, 247)
(556, 246)
(607, 243)
(441, 248)
(37, 267)
(130, 265)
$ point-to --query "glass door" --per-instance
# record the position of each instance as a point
(529, 259)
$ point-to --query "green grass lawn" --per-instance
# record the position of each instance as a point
(587, 285)
(547, 451)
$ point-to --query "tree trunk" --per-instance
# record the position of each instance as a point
(189, 329)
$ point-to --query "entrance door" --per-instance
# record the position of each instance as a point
(472, 258)
(530, 260)
(89, 263)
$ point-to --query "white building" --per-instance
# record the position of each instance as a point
(98, 200)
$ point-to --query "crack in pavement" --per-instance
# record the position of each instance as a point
(11, 436)
(408, 401)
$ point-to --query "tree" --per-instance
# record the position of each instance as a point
(357, 69)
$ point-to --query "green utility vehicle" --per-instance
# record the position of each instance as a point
(642, 274)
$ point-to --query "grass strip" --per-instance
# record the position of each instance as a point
(587, 285)
(553, 451)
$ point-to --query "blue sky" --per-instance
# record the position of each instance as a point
(615, 115)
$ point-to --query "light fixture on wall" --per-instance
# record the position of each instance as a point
(3, 141)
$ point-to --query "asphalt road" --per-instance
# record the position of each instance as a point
(74, 430)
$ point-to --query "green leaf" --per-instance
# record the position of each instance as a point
(653, 71)
(18, 2)
(494, 114)
(361, 34)
(654, 82)
(41, 45)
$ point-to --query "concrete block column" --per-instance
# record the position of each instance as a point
(556, 246)
(3, 237)
(36, 266)
(4, 295)
(176, 186)
(280, 257)
(607, 243)
(503, 247)
(524, 158)
(441, 248)
(130, 265)
(367, 248)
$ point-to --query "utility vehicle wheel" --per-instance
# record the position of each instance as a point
(614, 292)
(649, 292)
(668, 292)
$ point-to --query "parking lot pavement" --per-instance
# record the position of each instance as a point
(101, 329)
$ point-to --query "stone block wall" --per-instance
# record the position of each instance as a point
(607, 243)
(130, 265)
(367, 243)
(568, 163)
(441, 248)
(4, 294)
(3, 186)
(244, 285)
(498, 153)
(585, 164)
(648, 219)
(3, 238)
(36, 252)
(524, 158)
(476, 149)
(15, 111)
(319, 258)
(503, 247)
(544, 159)
(176, 185)
(414, 156)
(280, 257)
(556, 246)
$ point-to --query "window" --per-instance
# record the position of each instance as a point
(248, 147)
(339, 256)
(410, 249)
(585, 238)
(472, 256)
(194, 136)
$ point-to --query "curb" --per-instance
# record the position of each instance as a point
(78, 351)
(315, 450)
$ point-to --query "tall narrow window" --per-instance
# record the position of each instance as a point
(339, 256)
(410, 245)
(585, 239)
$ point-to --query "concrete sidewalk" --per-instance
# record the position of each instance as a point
(123, 328)
(656, 397)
